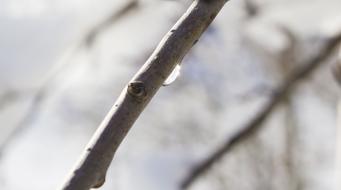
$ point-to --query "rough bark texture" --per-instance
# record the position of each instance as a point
(91, 169)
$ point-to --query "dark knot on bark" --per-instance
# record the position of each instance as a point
(137, 90)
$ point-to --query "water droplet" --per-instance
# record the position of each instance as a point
(173, 76)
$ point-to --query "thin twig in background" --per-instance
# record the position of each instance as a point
(287, 62)
(41, 93)
(252, 9)
(91, 169)
(115, 16)
(336, 70)
(255, 124)
(7, 98)
(23, 122)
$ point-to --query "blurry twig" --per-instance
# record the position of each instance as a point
(253, 126)
(40, 94)
(8, 97)
(115, 16)
(32, 110)
(252, 9)
(288, 61)
(336, 70)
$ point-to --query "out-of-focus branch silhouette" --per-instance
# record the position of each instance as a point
(41, 92)
(90, 37)
(255, 124)
(7, 97)
(336, 70)
(252, 9)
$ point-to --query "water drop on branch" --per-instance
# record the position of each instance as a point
(173, 76)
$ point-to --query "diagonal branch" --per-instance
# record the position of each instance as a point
(41, 93)
(336, 70)
(91, 169)
(8, 97)
(255, 124)
(90, 37)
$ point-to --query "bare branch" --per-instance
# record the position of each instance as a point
(8, 97)
(33, 109)
(255, 124)
(41, 93)
(252, 9)
(93, 33)
(336, 69)
(91, 169)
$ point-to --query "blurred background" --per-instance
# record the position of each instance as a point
(64, 62)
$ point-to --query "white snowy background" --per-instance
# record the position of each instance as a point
(55, 88)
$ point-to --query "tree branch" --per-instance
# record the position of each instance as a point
(7, 97)
(336, 70)
(100, 27)
(255, 124)
(252, 9)
(91, 169)
(41, 93)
